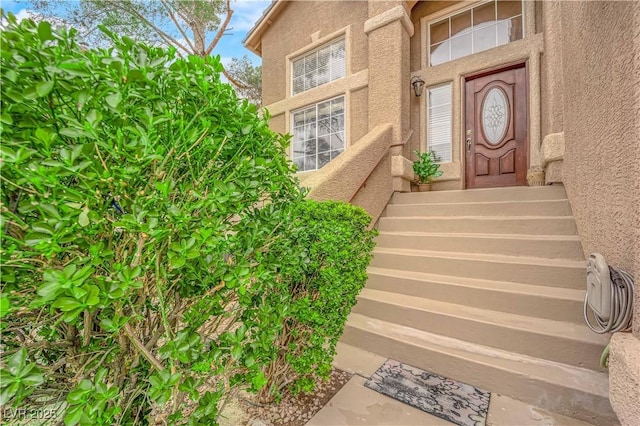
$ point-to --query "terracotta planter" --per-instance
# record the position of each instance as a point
(535, 178)
(424, 187)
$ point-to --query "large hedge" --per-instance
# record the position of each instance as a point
(157, 254)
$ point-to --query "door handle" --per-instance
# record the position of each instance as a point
(468, 141)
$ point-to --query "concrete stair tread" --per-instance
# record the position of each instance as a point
(514, 193)
(472, 203)
(483, 217)
(538, 237)
(505, 286)
(480, 224)
(498, 258)
(582, 379)
(562, 329)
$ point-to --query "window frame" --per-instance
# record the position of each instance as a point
(427, 145)
(451, 12)
(341, 37)
(292, 126)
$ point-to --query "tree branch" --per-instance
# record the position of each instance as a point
(142, 349)
(221, 30)
(233, 81)
(166, 37)
(177, 24)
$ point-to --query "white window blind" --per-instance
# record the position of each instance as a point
(439, 122)
(320, 66)
(318, 134)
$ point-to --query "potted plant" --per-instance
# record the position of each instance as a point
(425, 169)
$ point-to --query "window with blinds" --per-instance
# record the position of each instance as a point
(320, 66)
(439, 122)
(318, 134)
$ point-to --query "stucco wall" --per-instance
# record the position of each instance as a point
(551, 84)
(601, 114)
(601, 126)
(278, 125)
(293, 30)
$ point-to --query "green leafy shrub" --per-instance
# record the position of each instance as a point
(139, 201)
(336, 245)
(157, 254)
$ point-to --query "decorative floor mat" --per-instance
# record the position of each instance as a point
(448, 399)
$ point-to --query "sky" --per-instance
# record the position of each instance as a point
(246, 13)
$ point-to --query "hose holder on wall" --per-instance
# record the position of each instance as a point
(609, 296)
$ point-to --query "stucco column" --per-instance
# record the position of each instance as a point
(389, 30)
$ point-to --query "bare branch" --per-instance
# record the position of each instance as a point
(142, 348)
(177, 24)
(233, 81)
(166, 37)
(221, 31)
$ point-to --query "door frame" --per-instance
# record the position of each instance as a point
(463, 122)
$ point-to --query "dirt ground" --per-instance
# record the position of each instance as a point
(292, 411)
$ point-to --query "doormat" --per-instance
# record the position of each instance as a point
(448, 399)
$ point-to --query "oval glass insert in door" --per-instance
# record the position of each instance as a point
(495, 110)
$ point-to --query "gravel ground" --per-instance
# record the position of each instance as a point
(292, 411)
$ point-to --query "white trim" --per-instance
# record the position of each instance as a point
(449, 12)
(425, 143)
(290, 126)
(319, 43)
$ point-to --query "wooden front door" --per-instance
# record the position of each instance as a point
(496, 129)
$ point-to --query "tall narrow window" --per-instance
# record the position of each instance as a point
(320, 66)
(439, 122)
(318, 134)
(479, 28)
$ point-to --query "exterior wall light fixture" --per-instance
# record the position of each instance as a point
(418, 85)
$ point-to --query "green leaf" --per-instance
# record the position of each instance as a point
(6, 118)
(66, 304)
(236, 352)
(33, 379)
(73, 416)
(114, 99)
(44, 31)
(177, 261)
(92, 297)
(94, 117)
(83, 218)
(16, 362)
(5, 305)
(44, 88)
(73, 133)
(49, 289)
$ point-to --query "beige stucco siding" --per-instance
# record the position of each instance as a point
(601, 114)
(293, 30)
(552, 87)
(601, 126)
(358, 114)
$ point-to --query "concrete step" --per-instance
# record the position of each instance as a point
(543, 246)
(517, 269)
(559, 341)
(552, 303)
(503, 410)
(574, 392)
(513, 193)
(494, 208)
(530, 225)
